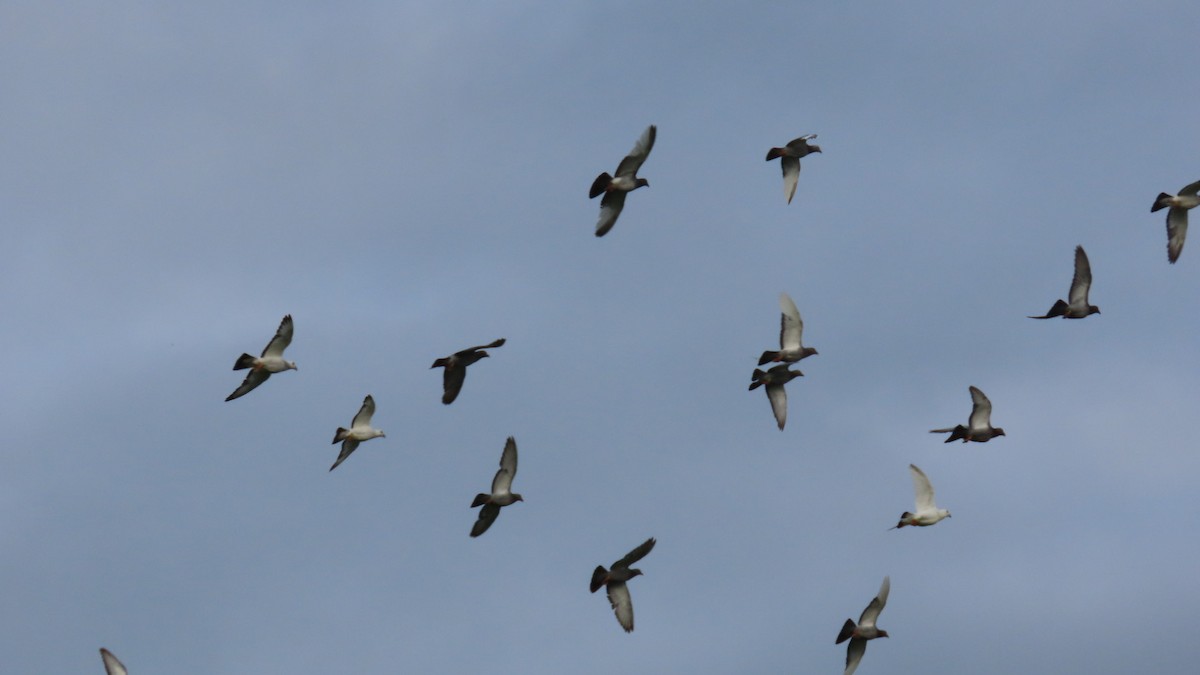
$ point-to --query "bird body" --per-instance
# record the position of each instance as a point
(271, 360)
(790, 155)
(455, 365)
(360, 430)
(979, 426)
(774, 379)
(615, 579)
(927, 513)
(1077, 307)
(865, 630)
(1177, 218)
(502, 494)
(614, 187)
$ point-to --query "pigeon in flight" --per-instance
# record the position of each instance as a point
(112, 665)
(502, 494)
(614, 188)
(1188, 198)
(360, 430)
(791, 154)
(927, 513)
(615, 578)
(979, 426)
(271, 361)
(775, 378)
(865, 630)
(1081, 283)
(790, 330)
(456, 368)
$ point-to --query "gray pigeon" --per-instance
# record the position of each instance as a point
(865, 630)
(614, 188)
(456, 368)
(1188, 198)
(791, 154)
(270, 362)
(979, 426)
(502, 494)
(615, 578)
(1081, 283)
(774, 379)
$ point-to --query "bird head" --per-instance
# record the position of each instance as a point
(518, 497)
(883, 633)
(292, 365)
(634, 573)
(998, 432)
(642, 182)
(1092, 309)
(815, 148)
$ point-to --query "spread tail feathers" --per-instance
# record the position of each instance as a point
(758, 375)
(767, 357)
(598, 577)
(1163, 201)
(340, 436)
(244, 361)
(480, 499)
(599, 185)
(847, 631)
(773, 153)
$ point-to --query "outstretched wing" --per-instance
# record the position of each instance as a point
(348, 446)
(283, 338)
(487, 516)
(1082, 281)
(871, 613)
(641, 150)
(923, 490)
(491, 345)
(777, 395)
(112, 665)
(452, 382)
(610, 209)
(255, 377)
(635, 555)
(1177, 222)
(363, 418)
(791, 175)
(791, 326)
(981, 411)
(854, 654)
(502, 483)
(622, 604)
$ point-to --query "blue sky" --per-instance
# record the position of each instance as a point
(410, 179)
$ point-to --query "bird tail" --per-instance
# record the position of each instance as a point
(440, 363)
(904, 518)
(598, 577)
(758, 375)
(480, 499)
(1059, 309)
(773, 153)
(847, 631)
(1163, 201)
(340, 436)
(599, 185)
(244, 361)
(767, 357)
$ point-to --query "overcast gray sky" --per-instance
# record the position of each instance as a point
(409, 179)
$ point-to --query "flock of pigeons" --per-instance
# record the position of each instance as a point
(614, 189)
